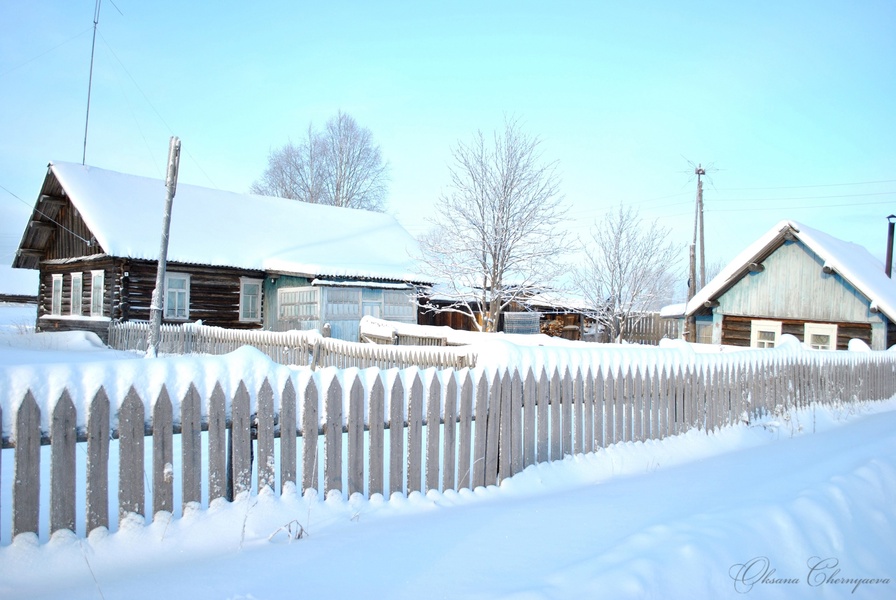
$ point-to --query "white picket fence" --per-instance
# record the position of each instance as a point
(447, 429)
(286, 347)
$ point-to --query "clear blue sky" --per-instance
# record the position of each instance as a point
(792, 102)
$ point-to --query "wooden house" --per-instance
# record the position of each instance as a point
(800, 281)
(234, 260)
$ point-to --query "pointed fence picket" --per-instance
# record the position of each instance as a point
(447, 429)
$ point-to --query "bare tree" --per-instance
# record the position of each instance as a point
(495, 238)
(339, 166)
(628, 269)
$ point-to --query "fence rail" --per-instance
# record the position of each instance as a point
(286, 347)
(491, 425)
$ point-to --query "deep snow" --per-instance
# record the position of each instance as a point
(791, 507)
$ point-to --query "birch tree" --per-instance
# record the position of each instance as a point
(340, 165)
(629, 268)
(496, 238)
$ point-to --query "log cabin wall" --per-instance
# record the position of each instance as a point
(736, 331)
(214, 294)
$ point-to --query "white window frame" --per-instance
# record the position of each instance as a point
(829, 329)
(760, 325)
(298, 304)
(56, 295)
(170, 313)
(97, 292)
(245, 297)
(76, 301)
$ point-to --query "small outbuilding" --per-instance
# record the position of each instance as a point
(800, 281)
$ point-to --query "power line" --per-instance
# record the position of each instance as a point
(52, 220)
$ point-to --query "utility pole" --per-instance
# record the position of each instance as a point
(155, 308)
(96, 20)
(699, 172)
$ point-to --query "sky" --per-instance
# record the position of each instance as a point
(789, 105)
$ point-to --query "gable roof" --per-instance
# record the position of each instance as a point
(213, 227)
(851, 261)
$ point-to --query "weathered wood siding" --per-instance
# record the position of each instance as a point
(794, 286)
(214, 293)
(736, 331)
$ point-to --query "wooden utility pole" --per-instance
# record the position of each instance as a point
(96, 20)
(158, 294)
(698, 224)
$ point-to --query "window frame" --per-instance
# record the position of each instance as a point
(762, 325)
(244, 297)
(166, 313)
(829, 329)
(56, 295)
(76, 301)
(97, 292)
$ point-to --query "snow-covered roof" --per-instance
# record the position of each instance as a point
(851, 261)
(213, 227)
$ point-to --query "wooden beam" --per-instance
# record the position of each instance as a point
(51, 200)
(756, 268)
(711, 304)
(29, 252)
(41, 225)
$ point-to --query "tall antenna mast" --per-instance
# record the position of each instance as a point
(96, 20)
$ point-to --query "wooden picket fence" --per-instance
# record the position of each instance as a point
(448, 429)
(286, 347)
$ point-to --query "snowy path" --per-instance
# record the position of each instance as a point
(664, 519)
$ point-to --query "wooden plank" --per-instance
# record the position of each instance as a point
(566, 427)
(98, 461)
(415, 436)
(376, 425)
(651, 384)
(265, 420)
(131, 429)
(588, 411)
(310, 429)
(493, 430)
(217, 444)
(162, 454)
(542, 430)
(481, 432)
(288, 432)
(433, 441)
(241, 442)
(530, 396)
(449, 445)
(333, 422)
(63, 436)
(396, 437)
(600, 419)
(356, 437)
(637, 402)
(619, 404)
(26, 470)
(465, 433)
(505, 425)
(191, 446)
(556, 401)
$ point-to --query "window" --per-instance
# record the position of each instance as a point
(297, 304)
(77, 288)
(250, 299)
(821, 336)
(343, 303)
(177, 296)
(56, 297)
(97, 281)
(764, 334)
(399, 306)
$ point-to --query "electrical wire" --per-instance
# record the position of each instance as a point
(52, 220)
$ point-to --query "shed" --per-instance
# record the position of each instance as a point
(234, 260)
(800, 281)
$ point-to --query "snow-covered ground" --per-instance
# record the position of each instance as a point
(799, 506)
